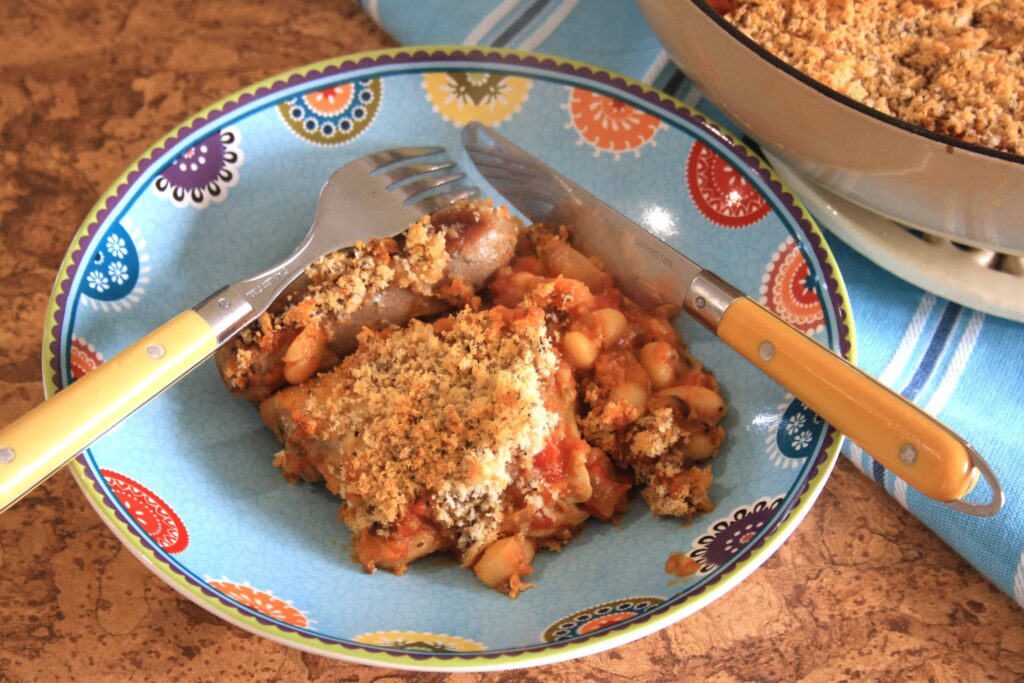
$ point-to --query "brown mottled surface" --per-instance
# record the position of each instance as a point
(861, 590)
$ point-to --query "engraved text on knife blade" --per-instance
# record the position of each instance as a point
(652, 252)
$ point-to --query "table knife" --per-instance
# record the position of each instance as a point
(913, 445)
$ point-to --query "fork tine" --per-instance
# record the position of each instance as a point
(505, 171)
(402, 173)
(495, 153)
(506, 179)
(439, 201)
(381, 160)
(417, 187)
(511, 186)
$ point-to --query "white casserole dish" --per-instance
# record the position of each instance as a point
(922, 179)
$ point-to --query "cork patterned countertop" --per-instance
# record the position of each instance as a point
(860, 591)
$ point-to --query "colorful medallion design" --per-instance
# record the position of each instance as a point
(730, 535)
(116, 275)
(334, 115)
(419, 641)
(204, 172)
(788, 289)
(84, 357)
(464, 96)
(720, 192)
(264, 602)
(156, 517)
(608, 124)
(799, 429)
(598, 617)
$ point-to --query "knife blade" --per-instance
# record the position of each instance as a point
(545, 196)
(908, 441)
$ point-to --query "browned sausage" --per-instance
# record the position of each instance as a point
(269, 355)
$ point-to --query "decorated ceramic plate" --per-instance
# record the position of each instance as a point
(187, 483)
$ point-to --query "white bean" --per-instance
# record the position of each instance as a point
(503, 559)
(659, 360)
(633, 393)
(701, 446)
(302, 359)
(578, 479)
(704, 403)
(612, 325)
(580, 349)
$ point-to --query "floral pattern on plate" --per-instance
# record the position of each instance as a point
(598, 617)
(730, 535)
(464, 96)
(117, 274)
(788, 289)
(264, 602)
(84, 357)
(608, 124)
(157, 519)
(721, 194)
(798, 430)
(420, 642)
(333, 115)
(204, 172)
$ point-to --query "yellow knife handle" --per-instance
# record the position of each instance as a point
(907, 441)
(40, 442)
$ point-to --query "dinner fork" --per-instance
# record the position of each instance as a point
(373, 197)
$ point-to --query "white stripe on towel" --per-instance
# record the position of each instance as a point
(545, 30)
(957, 364)
(910, 338)
(489, 22)
(954, 371)
(655, 68)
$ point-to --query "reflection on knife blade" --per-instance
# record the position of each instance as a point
(648, 270)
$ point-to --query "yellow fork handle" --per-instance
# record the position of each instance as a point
(902, 437)
(40, 442)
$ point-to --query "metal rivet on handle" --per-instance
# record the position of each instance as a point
(908, 454)
(6, 455)
(766, 350)
(155, 351)
(700, 303)
(223, 303)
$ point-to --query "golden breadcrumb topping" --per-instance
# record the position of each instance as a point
(496, 433)
(675, 490)
(436, 263)
(951, 66)
(438, 415)
(654, 434)
(654, 447)
(341, 281)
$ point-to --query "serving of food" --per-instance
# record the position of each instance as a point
(495, 428)
(471, 392)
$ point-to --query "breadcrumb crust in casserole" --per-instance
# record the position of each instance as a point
(951, 66)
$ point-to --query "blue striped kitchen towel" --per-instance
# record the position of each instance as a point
(961, 365)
